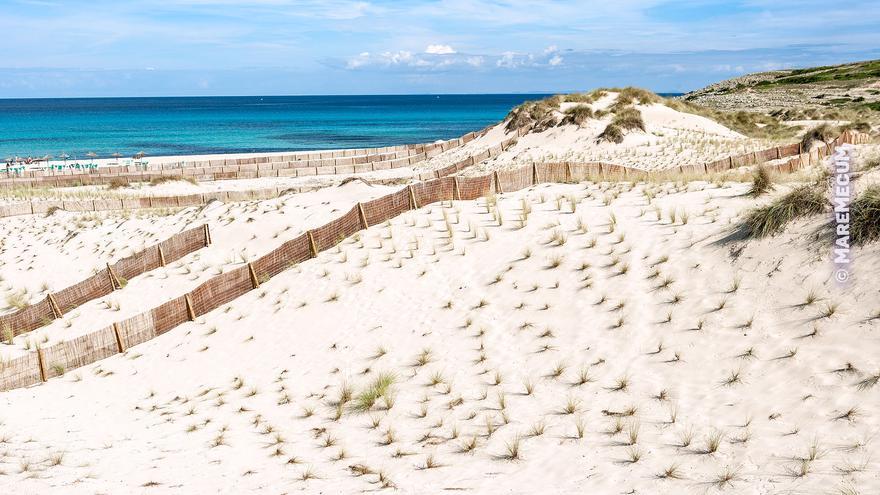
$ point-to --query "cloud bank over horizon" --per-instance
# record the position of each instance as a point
(226, 47)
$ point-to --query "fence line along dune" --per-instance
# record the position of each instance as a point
(799, 158)
(324, 163)
(43, 363)
(113, 277)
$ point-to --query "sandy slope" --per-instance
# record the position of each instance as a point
(671, 139)
(616, 293)
(35, 246)
(182, 187)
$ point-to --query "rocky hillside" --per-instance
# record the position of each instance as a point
(851, 87)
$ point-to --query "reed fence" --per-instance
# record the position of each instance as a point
(584, 169)
(323, 163)
(113, 277)
(43, 363)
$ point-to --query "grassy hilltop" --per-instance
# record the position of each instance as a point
(829, 90)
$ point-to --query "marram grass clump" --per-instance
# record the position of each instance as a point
(762, 182)
(534, 115)
(819, 134)
(865, 216)
(629, 119)
(578, 115)
(612, 133)
(771, 219)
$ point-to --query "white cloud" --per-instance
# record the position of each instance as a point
(439, 50)
(362, 59)
(438, 57)
(508, 60)
(396, 58)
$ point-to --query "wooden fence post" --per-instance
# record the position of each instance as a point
(114, 279)
(534, 173)
(497, 183)
(54, 305)
(254, 280)
(567, 172)
(161, 256)
(312, 246)
(118, 338)
(456, 194)
(412, 198)
(41, 364)
(190, 312)
(207, 235)
(363, 216)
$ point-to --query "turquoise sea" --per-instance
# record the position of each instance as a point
(240, 124)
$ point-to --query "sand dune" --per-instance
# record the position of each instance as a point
(671, 138)
(568, 338)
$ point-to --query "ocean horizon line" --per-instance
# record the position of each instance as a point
(315, 95)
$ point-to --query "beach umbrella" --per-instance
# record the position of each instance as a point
(116, 155)
(92, 155)
(64, 156)
(140, 154)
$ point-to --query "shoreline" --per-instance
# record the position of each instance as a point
(162, 159)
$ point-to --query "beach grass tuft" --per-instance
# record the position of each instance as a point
(771, 219)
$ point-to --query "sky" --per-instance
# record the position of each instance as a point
(73, 48)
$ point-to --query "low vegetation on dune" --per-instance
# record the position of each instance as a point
(469, 370)
(845, 72)
(865, 216)
(752, 124)
(612, 134)
(820, 134)
(577, 115)
(850, 87)
(543, 114)
(580, 97)
(762, 182)
(858, 119)
(631, 95)
(770, 219)
(534, 115)
(629, 118)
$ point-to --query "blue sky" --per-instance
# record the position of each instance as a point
(224, 47)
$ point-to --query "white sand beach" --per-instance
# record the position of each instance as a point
(559, 339)
(595, 336)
